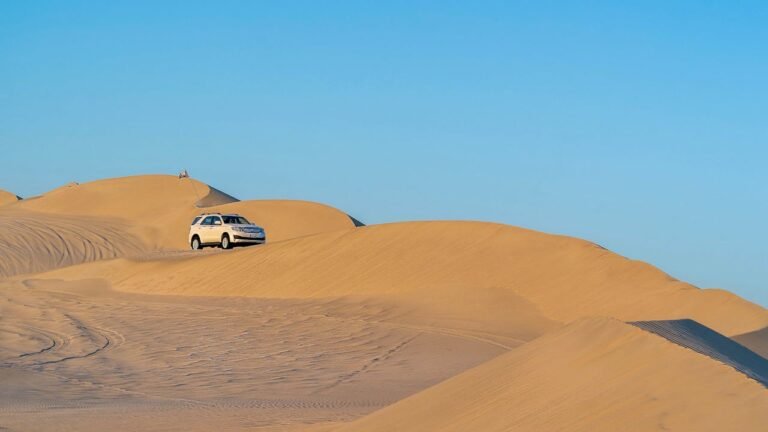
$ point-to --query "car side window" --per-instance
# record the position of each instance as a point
(207, 221)
(214, 219)
(195, 221)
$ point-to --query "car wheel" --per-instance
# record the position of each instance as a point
(225, 244)
(196, 243)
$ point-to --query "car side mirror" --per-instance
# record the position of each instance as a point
(218, 222)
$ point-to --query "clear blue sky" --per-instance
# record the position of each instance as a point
(643, 126)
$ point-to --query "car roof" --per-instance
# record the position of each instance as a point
(218, 214)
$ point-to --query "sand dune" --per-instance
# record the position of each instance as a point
(490, 278)
(593, 375)
(408, 326)
(7, 198)
(127, 216)
(159, 208)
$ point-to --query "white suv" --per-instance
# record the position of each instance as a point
(216, 229)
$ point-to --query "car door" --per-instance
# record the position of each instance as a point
(205, 229)
(216, 230)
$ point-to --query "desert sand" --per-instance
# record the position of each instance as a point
(594, 374)
(110, 322)
(7, 198)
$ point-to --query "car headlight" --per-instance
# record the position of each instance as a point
(239, 229)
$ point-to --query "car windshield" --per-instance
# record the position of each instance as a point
(236, 220)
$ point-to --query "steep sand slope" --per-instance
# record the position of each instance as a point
(160, 208)
(488, 278)
(7, 198)
(694, 336)
(215, 197)
(33, 242)
(593, 375)
(756, 340)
